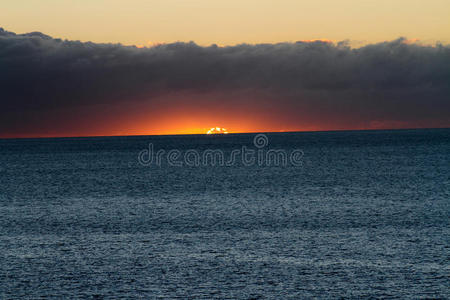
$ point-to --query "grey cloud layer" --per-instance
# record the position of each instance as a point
(38, 72)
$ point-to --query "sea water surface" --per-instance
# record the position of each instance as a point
(365, 215)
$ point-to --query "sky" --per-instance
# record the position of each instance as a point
(230, 22)
(185, 66)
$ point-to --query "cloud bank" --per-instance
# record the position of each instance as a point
(393, 82)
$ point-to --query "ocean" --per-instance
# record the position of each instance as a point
(356, 214)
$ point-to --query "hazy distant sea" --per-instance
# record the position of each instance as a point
(365, 215)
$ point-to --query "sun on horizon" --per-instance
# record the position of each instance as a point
(217, 130)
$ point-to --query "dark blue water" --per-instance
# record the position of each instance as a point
(365, 215)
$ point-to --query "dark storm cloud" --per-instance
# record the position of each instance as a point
(391, 80)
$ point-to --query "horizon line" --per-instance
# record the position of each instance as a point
(230, 133)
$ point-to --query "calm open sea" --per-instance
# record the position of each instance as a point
(365, 214)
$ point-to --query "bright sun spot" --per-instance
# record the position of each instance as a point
(217, 130)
